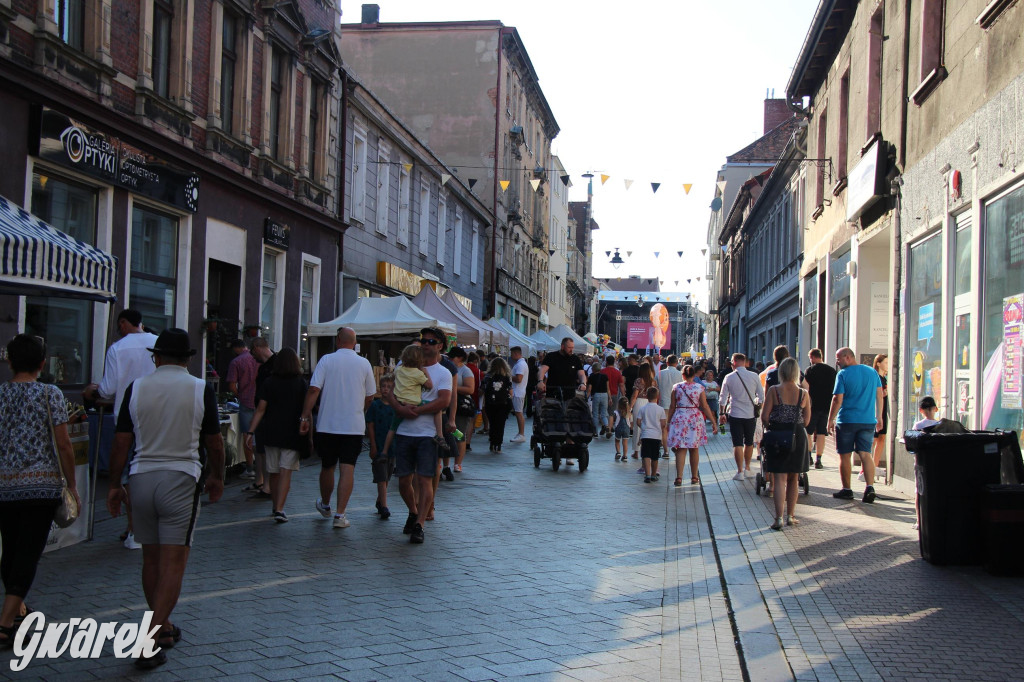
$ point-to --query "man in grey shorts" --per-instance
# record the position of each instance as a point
(166, 413)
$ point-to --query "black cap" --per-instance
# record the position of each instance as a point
(173, 342)
(438, 333)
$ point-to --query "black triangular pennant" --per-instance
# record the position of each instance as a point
(551, 252)
(565, 180)
(472, 181)
(655, 186)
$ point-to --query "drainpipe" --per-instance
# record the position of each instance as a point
(343, 150)
(497, 162)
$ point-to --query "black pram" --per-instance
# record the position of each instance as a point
(562, 428)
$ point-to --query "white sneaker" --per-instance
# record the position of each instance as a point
(340, 521)
(129, 542)
(748, 474)
(860, 477)
(518, 439)
(738, 476)
(324, 509)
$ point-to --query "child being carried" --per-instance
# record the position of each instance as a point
(410, 382)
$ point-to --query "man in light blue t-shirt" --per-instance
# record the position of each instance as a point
(854, 417)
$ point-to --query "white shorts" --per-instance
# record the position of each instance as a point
(517, 403)
(281, 458)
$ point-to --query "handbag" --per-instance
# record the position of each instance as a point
(465, 407)
(757, 405)
(67, 511)
(780, 443)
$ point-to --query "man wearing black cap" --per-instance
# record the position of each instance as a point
(166, 413)
(416, 455)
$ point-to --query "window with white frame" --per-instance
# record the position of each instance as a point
(475, 253)
(383, 187)
(404, 192)
(442, 227)
(457, 265)
(310, 294)
(270, 297)
(424, 217)
(154, 266)
(358, 210)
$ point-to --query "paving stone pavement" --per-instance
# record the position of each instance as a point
(552, 576)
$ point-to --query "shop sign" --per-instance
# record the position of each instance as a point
(879, 337)
(515, 289)
(396, 278)
(865, 184)
(67, 142)
(1013, 314)
(926, 322)
(276, 234)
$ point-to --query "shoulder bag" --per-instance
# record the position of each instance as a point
(781, 443)
(757, 406)
(67, 512)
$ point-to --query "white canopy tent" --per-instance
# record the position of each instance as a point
(545, 342)
(498, 337)
(374, 317)
(466, 333)
(516, 337)
(581, 345)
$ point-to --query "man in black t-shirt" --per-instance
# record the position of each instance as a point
(597, 389)
(820, 378)
(630, 374)
(562, 371)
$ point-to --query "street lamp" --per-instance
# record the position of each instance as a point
(616, 260)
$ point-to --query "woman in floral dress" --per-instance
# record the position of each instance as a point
(686, 423)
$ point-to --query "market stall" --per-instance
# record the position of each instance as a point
(467, 334)
(545, 341)
(516, 337)
(40, 260)
(499, 337)
(581, 345)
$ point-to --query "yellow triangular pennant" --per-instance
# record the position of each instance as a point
(605, 178)
(504, 184)
(445, 178)
(686, 187)
(407, 167)
(535, 183)
(628, 183)
(721, 187)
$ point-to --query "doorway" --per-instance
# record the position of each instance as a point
(223, 300)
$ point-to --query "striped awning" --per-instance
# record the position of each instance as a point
(38, 259)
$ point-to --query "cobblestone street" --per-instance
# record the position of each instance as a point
(561, 575)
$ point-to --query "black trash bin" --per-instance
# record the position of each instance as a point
(952, 470)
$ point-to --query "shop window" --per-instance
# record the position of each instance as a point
(924, 325)
(69, 15)
(1001, 396)
(811, 310)
(307, 306)
(163, 20)
(270, 297)
(962, 247)
(404, 194)
(228, 69)
(154, 267)
(66, 324)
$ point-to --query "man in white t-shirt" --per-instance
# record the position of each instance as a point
(414, 447)
(344, 383)
(520, 377)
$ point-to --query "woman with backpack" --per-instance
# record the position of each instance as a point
(497, 401)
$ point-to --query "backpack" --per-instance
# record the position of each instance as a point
(496, 391)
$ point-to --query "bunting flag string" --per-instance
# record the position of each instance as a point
(629, 183)
(472, 182)
(703, 252)
(655, 186)
(551, 252)
(605, 178)
(407, 167)
(565, 180)
(608, 253)
(687, 187)
(657, 253)
(535, 183)
(445, 178)
(677, 282)
(504, 184)
(680, 253)
(629, 253)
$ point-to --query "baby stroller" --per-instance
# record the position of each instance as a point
(562, 429)
(761, 482)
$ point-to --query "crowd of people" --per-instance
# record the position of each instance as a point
(168, 448)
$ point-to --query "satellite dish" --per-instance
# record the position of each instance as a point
(716, 204)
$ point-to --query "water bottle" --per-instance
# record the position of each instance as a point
(458, 434)
(721, 429)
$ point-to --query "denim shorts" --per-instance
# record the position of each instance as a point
(851, 437)
(414, 455)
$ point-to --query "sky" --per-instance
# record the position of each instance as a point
(650, 92)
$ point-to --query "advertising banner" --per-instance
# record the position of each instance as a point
(1013, 312)
(641, 335)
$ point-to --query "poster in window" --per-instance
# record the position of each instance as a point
(1013, 312)
(926, 322)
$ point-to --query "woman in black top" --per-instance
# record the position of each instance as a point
(531, 383)
(279, 407)
(497, 387)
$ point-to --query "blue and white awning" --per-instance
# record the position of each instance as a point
(38, 259)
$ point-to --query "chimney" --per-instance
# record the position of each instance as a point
(775, 111)
(371, 14)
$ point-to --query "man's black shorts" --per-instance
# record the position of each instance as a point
(335, 448)
(742, 431)
(819, 423)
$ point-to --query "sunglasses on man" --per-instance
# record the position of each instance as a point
(428, 342)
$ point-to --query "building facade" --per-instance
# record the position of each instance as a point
(581, 288)
(206, 163)
(558, 308)
(411, 219)
(491, 125)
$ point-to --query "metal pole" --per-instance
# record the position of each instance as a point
(95, 471)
